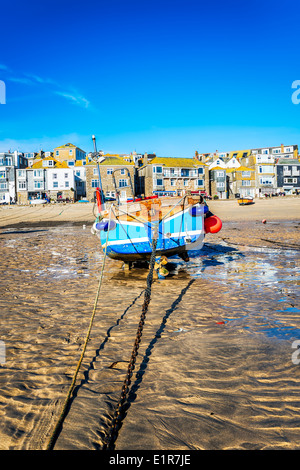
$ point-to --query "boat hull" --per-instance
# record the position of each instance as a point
(131, 238)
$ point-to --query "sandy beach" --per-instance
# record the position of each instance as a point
(215, 369)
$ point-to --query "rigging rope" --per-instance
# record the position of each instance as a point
(64, 410)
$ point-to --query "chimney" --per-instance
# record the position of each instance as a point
(145, 159)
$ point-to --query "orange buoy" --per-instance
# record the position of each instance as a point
(212, 224)
(264, 221)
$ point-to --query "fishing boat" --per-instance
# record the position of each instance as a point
(127, 228)
(245, 200)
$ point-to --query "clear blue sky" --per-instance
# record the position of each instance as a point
(169, 77)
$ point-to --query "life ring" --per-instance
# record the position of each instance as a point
(212, 224)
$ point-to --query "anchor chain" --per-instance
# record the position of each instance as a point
(119, 413)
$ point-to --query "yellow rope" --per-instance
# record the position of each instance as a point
(63, 413)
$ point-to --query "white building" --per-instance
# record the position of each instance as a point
(60, 179)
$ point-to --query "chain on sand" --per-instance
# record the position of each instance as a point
(119, 413)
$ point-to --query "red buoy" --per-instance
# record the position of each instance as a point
(212, 224)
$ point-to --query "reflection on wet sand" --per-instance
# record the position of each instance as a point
(214, 369)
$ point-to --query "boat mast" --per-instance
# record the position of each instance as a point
(99, 175)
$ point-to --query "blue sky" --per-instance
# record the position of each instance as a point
(169, 77)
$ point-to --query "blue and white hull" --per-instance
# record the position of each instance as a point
(131, 240)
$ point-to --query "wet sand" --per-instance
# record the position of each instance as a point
(214, 369)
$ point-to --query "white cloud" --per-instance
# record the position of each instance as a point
(51, 85)
(45, 143)
(75, 98)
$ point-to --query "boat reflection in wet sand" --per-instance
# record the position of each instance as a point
(245, 200)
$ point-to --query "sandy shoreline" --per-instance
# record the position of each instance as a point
(214, 369)
(272, 209)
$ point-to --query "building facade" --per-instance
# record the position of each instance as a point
(288, 176)
(9, 165)
(218, 182)
(171, 176)
(241, 181)
(68, 152)
(46, 179)
(117, 178)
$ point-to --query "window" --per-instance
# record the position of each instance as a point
(220, 174)
(200, 182)
(290, 180)
(2, 185)
(123, 183)
(266, 169)
(185, 182)
(276, 150)
(109, 171)
(71, 163)
(246, 182)
(21, 184)
(159, 182)
(57, 153)
(67, 184)
(55, 184)
(173, 182)
(185, 172)
(265, 151)
(200, 171)
(77, 172)
(266, 181)
(38, 173)
(66, 175)
(95, 183)
(123, 171)
(54, 176)
(39, 185)
(221, 185)
(246, 174)
(70, 152)
(158, 169)
(2, 174)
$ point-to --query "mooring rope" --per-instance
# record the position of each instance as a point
(63, 413)
(119, 413)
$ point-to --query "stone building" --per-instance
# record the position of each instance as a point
(171, 176)
(68, 152)
(240, 182)
(117, 177)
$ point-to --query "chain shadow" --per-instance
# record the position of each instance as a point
(132, 395)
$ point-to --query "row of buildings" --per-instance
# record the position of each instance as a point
(68, 173)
